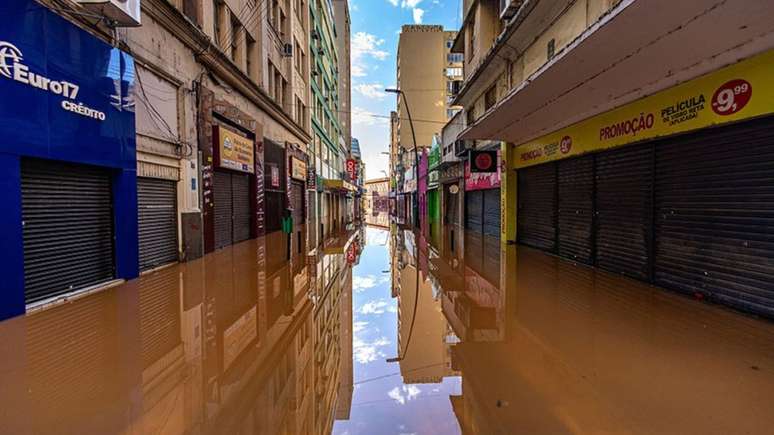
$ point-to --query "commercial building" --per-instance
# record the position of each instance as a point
(179, 147)
(654, 169)
(426, 73)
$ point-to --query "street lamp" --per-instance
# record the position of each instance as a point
(416, 154)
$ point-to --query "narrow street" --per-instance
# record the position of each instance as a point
(385, 331)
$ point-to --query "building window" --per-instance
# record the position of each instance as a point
(453, 72)
(454, 57)
(236, 33)
(251, 56)
(551, 49)
(216, 17)
(471, 116)
(449, 43)
(490, 98)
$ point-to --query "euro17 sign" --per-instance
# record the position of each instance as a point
(483, 161)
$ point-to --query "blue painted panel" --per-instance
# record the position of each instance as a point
(11, 238)
(51, 69)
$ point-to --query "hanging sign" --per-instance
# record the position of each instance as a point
(352, 169)
(311, 179)
(297, 169)
(483, 161)
(275, 177)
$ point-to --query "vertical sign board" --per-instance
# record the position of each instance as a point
(352, 169)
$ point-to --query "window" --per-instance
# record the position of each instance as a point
(551, 49)
(216, 16)
(471, 116)
(490, 98)
(449, 43)
(453, 72)
(454, 57)
(251, 55)
(236, 33)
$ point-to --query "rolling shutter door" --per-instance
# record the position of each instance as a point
(68, 228)
(576, 205)
(223, 209)
(157, 206)
(474, 210)
(624, 210)
(452, 206)
(240, 189)
(492, 212)
(297, 198)
(537, 207)
(715, 215)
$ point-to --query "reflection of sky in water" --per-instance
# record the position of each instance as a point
(381, 403)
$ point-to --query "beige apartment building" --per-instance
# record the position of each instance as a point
(610, 126)
(427, 72)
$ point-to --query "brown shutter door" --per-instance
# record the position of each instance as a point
(492, 212)
(224, 211)
(537, 207)
(240, 189)
(624, 210)
(297, 196)
(576, 208)
(715, 215)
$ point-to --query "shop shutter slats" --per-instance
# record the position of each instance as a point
(157, 222)
(297, 194)
(474, 210)
(223, 209)
(241, 200)
(452, 206)
(715, 215)
(68, 228)
(537, 203)
(159, 315)
(624, 197)
(492, 212)
(576, 208)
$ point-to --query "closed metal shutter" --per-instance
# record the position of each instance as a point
(240, 189)
(537, 207)
(624, 210)
(224, 225)
(576, 208)
(715, 215)
(492, 212)
(297, 197)
(159, 296)
(157, 210)
(452, 206)
(68, 228)
(474, 210)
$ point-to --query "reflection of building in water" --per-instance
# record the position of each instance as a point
(378, 219)
(426, 355)
(230, 343)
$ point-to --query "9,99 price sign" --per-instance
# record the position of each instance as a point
(731, 97)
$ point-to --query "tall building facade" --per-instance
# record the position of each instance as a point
(329, 148)
(426, 69)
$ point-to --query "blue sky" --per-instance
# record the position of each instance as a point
(375, 28)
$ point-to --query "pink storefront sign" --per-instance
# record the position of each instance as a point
(482, 180)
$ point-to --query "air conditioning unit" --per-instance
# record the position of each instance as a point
(315, 34)
(287, 50)
(122, 13)
(508, 8)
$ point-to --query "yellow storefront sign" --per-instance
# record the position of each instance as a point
(740, 91)
(234, 151)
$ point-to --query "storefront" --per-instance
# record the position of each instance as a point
(451, 180)
(672, 189)
(234, 168)
(67, 159)
(482, 193)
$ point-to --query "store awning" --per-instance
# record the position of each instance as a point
(632, 52)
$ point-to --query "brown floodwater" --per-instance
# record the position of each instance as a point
(385, 331)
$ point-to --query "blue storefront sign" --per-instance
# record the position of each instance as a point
(65, 96)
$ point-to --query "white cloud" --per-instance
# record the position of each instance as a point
(362, 116)
(410, 3)
(360, 283)
(366, 352)
(376, 307)
(418, 14)
(358, 326)
(404, 393)
(373, 91)
(393, 2)
(365, 46)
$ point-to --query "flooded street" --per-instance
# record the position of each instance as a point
(385, 331)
